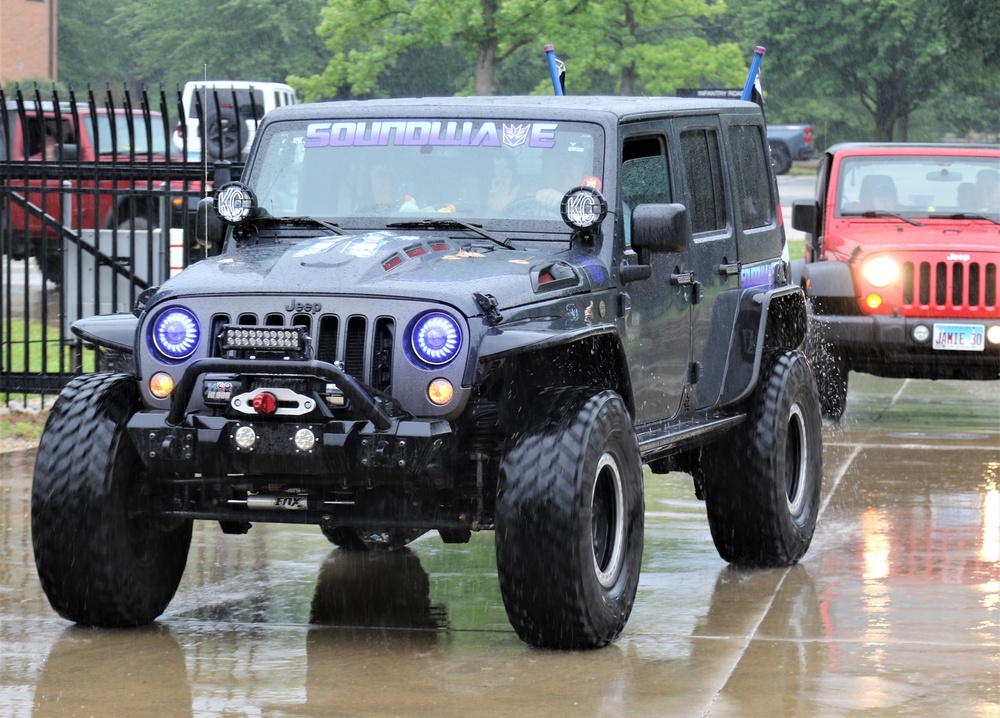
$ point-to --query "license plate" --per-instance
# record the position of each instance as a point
(960, 337)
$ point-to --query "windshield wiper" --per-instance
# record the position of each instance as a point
(967, 215)
(882, 213)
(300, 221)
(451, 224)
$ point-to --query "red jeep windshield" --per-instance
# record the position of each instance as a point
(919, 186)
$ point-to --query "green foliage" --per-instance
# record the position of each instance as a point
(28, 85)
(609, 45)
(880, 58)
(855, 70)
(152, 42)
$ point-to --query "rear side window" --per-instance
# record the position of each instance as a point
(753, 188)
(703, 168)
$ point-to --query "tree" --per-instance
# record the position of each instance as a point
(229, 39)
(626, 46)
(92, 50)
(888, 54)
(650, 47)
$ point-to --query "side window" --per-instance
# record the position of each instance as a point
(703, 168)
(753, 190)
(644, 178)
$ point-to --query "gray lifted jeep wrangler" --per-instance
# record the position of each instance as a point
(456, 315)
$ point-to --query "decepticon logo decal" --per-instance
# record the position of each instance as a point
(514, 135)
(366, 133)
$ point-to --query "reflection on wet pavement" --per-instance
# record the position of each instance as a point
(894, 611)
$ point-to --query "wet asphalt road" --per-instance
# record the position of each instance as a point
(895, 610)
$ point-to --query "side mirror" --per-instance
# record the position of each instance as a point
(208, 229)
(68, 152)
(805, 216)
(659, 228)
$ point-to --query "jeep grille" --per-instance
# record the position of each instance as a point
(363, 349)
(951, 285)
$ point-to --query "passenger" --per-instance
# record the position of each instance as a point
(504, 188)
(50, 150)
(988, 190)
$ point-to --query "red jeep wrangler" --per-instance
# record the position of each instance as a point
(900, 267)
(57, 146)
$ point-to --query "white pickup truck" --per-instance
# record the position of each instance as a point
(232, 108)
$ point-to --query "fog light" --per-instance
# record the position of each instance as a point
(921, 333)
(873, 301)
(440, 392)
(161, 384)
(304, 439)
(993, 334)
(245, 437)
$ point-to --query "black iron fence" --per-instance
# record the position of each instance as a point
(98, 197)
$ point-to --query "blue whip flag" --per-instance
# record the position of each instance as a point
(752, 89)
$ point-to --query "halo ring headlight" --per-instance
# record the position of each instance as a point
(436, 338)
(176, 333)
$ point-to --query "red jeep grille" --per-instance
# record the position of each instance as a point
(955, 285)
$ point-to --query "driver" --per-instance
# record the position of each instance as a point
(571, 168)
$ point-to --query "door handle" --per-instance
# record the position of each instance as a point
(682, 278)
(727, 270)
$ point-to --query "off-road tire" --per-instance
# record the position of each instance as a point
(762, 486)
(99, 563)
(569, 522)
(780, 160)
(222, 134)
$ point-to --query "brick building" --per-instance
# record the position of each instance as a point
(28, 47)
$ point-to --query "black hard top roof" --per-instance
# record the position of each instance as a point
(583, 107)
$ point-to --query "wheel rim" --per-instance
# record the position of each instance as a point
(608, 521)
(796, 459)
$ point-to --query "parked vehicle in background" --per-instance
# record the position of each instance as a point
(900, 267)
(31, 220)
(789, 143)
(232, 110)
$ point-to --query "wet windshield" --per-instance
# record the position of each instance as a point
(358, 172)
(919, 186)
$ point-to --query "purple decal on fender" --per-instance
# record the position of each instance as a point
(758, 275)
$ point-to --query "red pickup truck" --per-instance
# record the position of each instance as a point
(900, 267)
(47, 138)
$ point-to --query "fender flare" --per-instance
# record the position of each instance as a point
(828, 279)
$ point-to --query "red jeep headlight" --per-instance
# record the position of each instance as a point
(880, 271)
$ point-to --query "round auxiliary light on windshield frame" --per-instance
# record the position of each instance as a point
(583, 207)
(235, 202)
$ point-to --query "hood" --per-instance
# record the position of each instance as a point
(384, 263)
(887, 234)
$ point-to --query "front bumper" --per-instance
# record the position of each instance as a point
(885, 346)
(354, 444)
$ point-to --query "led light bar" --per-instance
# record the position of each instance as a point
(264, 339)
